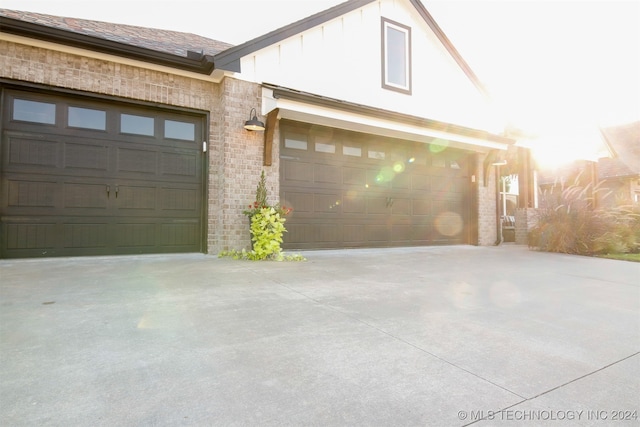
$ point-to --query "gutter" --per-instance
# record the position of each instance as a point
(194, 61)
(279, 92)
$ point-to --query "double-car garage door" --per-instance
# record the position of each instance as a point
(87, 177)
(351, 189)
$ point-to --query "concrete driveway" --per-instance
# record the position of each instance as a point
(409, 336)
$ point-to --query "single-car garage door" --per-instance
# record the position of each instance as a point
(350, 189)
(86, 177)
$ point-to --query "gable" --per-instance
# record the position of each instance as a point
(341, 58)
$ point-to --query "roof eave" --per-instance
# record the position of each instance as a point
(422, 10)
(290, 94)
(197, 63)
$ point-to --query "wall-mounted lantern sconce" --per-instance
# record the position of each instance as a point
(253, 123)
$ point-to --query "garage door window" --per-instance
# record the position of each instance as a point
(351, 151)
(322, 147)
(137, 125)
(179, 130)
(33, 111)
(375, 154)
(295, 143)
(439, 162)
(87, 118)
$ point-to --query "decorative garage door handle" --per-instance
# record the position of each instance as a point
(109, 191)
(389, 202)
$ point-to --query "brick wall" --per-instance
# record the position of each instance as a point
(525, 220)
(487, 233)
(66, 70)
(238, 170)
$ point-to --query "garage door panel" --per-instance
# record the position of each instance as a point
(377, 234)
(300, 202)
(29, 236)
(138, 161)
(441, 184)
(326, 233)
(179, 199)
(301, 172)
(85, 196)
(420, 182)
(179, 164)
(401, 181)
(354, 203)
(86, 156)
(179, 234)
(28, 153)
(421, 233)
(25, 193)
(86, 235)
(132, 235)
(353, 176)
(354, 234)
(400, 206)
(448, 225)
(298, 233)
(136, 197)
(401, 235)
(326, 174)
(379, 178)
(328, 203)
(377, 204)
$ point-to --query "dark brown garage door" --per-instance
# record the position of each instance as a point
(357, 190)
(82, 177)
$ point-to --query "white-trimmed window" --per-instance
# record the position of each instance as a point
(396, 56)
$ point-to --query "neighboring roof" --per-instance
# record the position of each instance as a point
(165, 47)
(230, 59)
(565, 174)
(624, 141)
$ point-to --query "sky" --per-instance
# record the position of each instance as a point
(557, 69)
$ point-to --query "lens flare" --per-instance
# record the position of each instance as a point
(398, 167)
(449, 223)
(386, 174)
(438, 145)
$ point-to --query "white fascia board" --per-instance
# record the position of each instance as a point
(307, 113)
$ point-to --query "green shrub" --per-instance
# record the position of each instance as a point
(267, 228)
(568, 223)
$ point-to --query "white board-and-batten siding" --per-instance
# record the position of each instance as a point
(341, 59)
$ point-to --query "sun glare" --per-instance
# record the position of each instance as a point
(555, 148)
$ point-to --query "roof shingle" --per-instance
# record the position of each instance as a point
(167, 41)
(625, 142)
